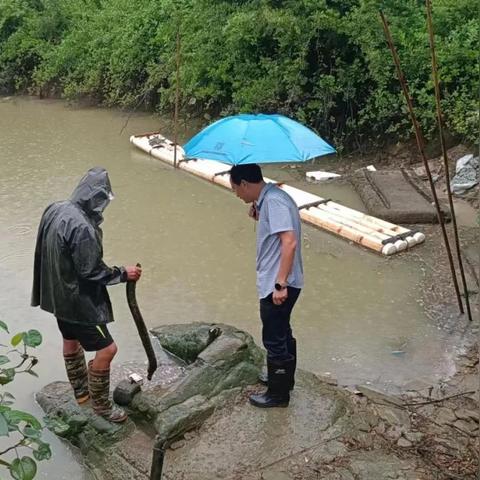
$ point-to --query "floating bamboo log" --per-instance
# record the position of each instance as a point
(412, 238)
(321, 219)
(371, 232)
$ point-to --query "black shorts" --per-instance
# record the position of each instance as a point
(91, 337)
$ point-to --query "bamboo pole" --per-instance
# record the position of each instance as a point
(376, 223)
(373, 230)
(373, 223)
(292, 191)
(400, 245)
(177, 96)
(320, 219)
(146, 134)
(444, 153)
(420, 144)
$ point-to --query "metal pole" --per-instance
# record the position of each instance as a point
(157, 459)
(177, 95)
(420, 144)
(444, 153)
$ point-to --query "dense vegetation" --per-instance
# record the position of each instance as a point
(324, 62)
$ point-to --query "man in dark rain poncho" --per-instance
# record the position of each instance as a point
(70, 279)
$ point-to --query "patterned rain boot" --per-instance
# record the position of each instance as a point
(77, 374)
(99, 385)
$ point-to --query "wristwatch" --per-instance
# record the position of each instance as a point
(280, 287)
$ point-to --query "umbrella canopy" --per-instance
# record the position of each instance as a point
(259, 138)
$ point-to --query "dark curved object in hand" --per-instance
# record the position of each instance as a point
(142, 329)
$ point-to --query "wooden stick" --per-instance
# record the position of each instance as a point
(177, 95)
(444, 152)
(420, 144)
(147, 134)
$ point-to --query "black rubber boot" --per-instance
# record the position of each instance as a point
(277, 394)
(263, 375)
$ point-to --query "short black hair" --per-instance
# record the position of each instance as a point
(249, 172)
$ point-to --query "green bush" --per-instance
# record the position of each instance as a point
(324, 62)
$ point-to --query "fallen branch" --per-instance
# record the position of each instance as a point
(415, 404)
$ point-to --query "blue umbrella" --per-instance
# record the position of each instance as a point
(259, 138)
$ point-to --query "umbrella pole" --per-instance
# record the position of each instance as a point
(177, 96)
(444, 153)
(420, 144)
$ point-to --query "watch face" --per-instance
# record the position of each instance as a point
(278, 286)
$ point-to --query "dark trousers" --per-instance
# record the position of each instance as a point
(276, 332)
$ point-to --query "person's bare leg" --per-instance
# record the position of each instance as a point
(70, 346)
(103, 358)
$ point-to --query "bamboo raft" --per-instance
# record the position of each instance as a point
(371, 232)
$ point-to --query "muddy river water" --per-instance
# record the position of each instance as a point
(359, 317)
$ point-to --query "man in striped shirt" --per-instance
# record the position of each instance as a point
(279, 276)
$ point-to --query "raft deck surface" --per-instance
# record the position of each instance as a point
(374, 233)
(396, 196)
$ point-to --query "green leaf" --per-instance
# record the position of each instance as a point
(17, 416)
(4, 326)
(6, 375)
(3, 426)
(17, 338)
(33, 338)
(30, 432)
(4, 359)
(43, 452)
(24, 468)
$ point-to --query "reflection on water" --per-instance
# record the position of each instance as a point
(357, 312)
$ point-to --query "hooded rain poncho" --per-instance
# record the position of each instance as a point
(70, 277)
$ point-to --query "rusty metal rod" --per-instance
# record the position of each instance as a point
(420, 144)
(444, 153)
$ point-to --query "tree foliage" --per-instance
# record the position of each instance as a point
(324, 62)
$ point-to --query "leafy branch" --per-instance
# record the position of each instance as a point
(17, 422)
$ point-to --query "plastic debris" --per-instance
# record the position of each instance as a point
(466, 174)
(320, 175)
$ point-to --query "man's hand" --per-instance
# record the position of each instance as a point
(253, 212)
(279, 296)
(133, 273)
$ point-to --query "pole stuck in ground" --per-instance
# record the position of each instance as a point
(444, 153)
(158, 456)
(420, 145)
(177, 97)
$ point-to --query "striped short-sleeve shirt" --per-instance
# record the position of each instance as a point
(277, 213)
